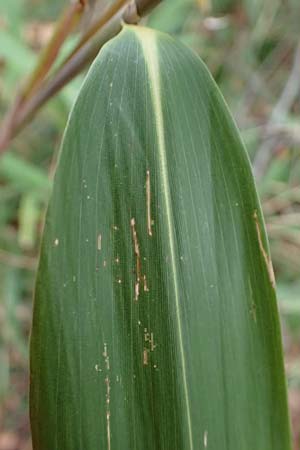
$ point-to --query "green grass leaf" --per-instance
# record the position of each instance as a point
(24, 176)
(155, 320)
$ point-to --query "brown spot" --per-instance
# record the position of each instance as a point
(263, 251)
(149, 337)
(137, 258)
(106, 357)
(98, 368)
(146, 289)
(99, 242)
(107, 382)
(148, 202)
(139, 277)
(152, 345)
(135, 240)
(205, 438)
(145, 357)
(146, 335)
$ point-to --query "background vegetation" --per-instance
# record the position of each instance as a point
(252, 47)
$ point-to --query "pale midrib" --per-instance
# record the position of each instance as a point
(149, 45)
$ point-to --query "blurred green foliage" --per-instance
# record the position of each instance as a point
(250, 48)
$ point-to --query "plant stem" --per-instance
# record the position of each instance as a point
(38, 90)
(144, 6)
(67, 72)
(64, 27)
(106, 17)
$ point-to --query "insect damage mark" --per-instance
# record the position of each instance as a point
(149, 346)
(139, 277)
(149, 337)
(107, 399)
(138, 259)
(107, 382)
(263, 251)
(99, 242)
(145, 357)
(106, 357)
(148, 203)
(146, 289)
(205, 439)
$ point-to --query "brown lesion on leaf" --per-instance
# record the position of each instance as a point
(205, 438)
(137, 259)
(146, 289)
(149, 338)
(149, 346)
(265, 255)
(152, 344)
(108, 432)
(107, 396)
(99, 242)
(148, 202)
(106, 357)
(145, 357)
(140, 279)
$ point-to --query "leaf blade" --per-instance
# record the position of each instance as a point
(155, 278)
